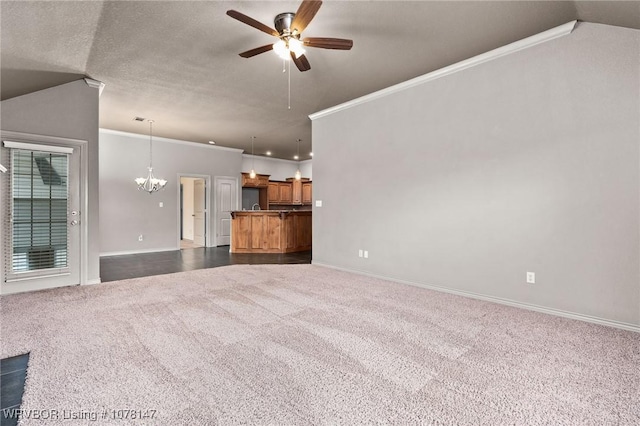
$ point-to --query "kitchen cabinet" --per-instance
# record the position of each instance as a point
(260, 181)
(285, 193)
(300, 191)
(292, 192)
(273, 192)
(270, 231)
(296, 192)
(279, 193)
(307, 193)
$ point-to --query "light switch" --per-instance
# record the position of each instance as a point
(318, 203)
(161, 204)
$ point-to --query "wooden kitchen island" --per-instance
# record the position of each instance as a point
(270, 231)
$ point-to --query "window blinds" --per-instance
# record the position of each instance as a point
(39, 206)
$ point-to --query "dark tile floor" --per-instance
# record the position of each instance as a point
(113, 268)
(13, 372)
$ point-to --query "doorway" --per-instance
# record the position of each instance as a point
(193, 212)
(226, 202)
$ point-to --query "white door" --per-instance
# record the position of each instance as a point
(199, 212)
(43, 225)
(226, 202)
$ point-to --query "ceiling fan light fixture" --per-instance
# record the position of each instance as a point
(289, 27)
(295, 46)
(280, 47)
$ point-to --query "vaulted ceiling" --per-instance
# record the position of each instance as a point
(177, 61)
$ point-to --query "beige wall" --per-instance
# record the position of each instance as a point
(529, 162)
(126, 212)
(276, 168)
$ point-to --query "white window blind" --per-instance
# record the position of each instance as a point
(38, 211)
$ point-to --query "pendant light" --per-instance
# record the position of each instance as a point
(252, 174)
(298, 175)
(150, 184)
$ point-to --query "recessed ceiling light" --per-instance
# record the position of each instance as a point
(295, 157)
(212, 142)
(268, 153)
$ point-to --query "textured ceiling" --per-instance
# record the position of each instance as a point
(177, 62)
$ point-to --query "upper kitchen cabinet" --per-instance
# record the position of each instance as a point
(307, 193)
(260, 181)
(296, 187)
(279, 193)
(273, 192)
(300, 188)
(292, 192)
(285, 193)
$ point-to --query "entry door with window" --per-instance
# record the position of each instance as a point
(43, 245)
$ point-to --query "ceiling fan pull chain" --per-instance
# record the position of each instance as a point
(289, 76)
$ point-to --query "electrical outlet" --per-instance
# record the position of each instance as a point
(140, 238)
(366, 254)
(531, 277)
(359, 253)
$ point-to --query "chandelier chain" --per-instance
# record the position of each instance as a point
(150, 142)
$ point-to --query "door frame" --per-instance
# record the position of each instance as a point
(83, 199)
(207, 205)
(215, 206)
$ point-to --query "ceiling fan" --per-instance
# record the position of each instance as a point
(289, 27)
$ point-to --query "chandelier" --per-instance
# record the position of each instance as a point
(150, 183)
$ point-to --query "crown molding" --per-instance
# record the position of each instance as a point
(264, 158)
(508, 49)
(168, 140)
(95, 84)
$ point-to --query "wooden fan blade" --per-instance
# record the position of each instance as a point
(257, 51)
(302, 62)
(305, 14)
(252, 22)
(328, 43)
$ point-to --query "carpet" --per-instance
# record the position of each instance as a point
(306, 345)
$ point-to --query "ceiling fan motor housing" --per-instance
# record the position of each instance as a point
(283, 23)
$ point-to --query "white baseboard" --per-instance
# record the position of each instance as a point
(93, 282)
(508, 302)
(120, 253)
